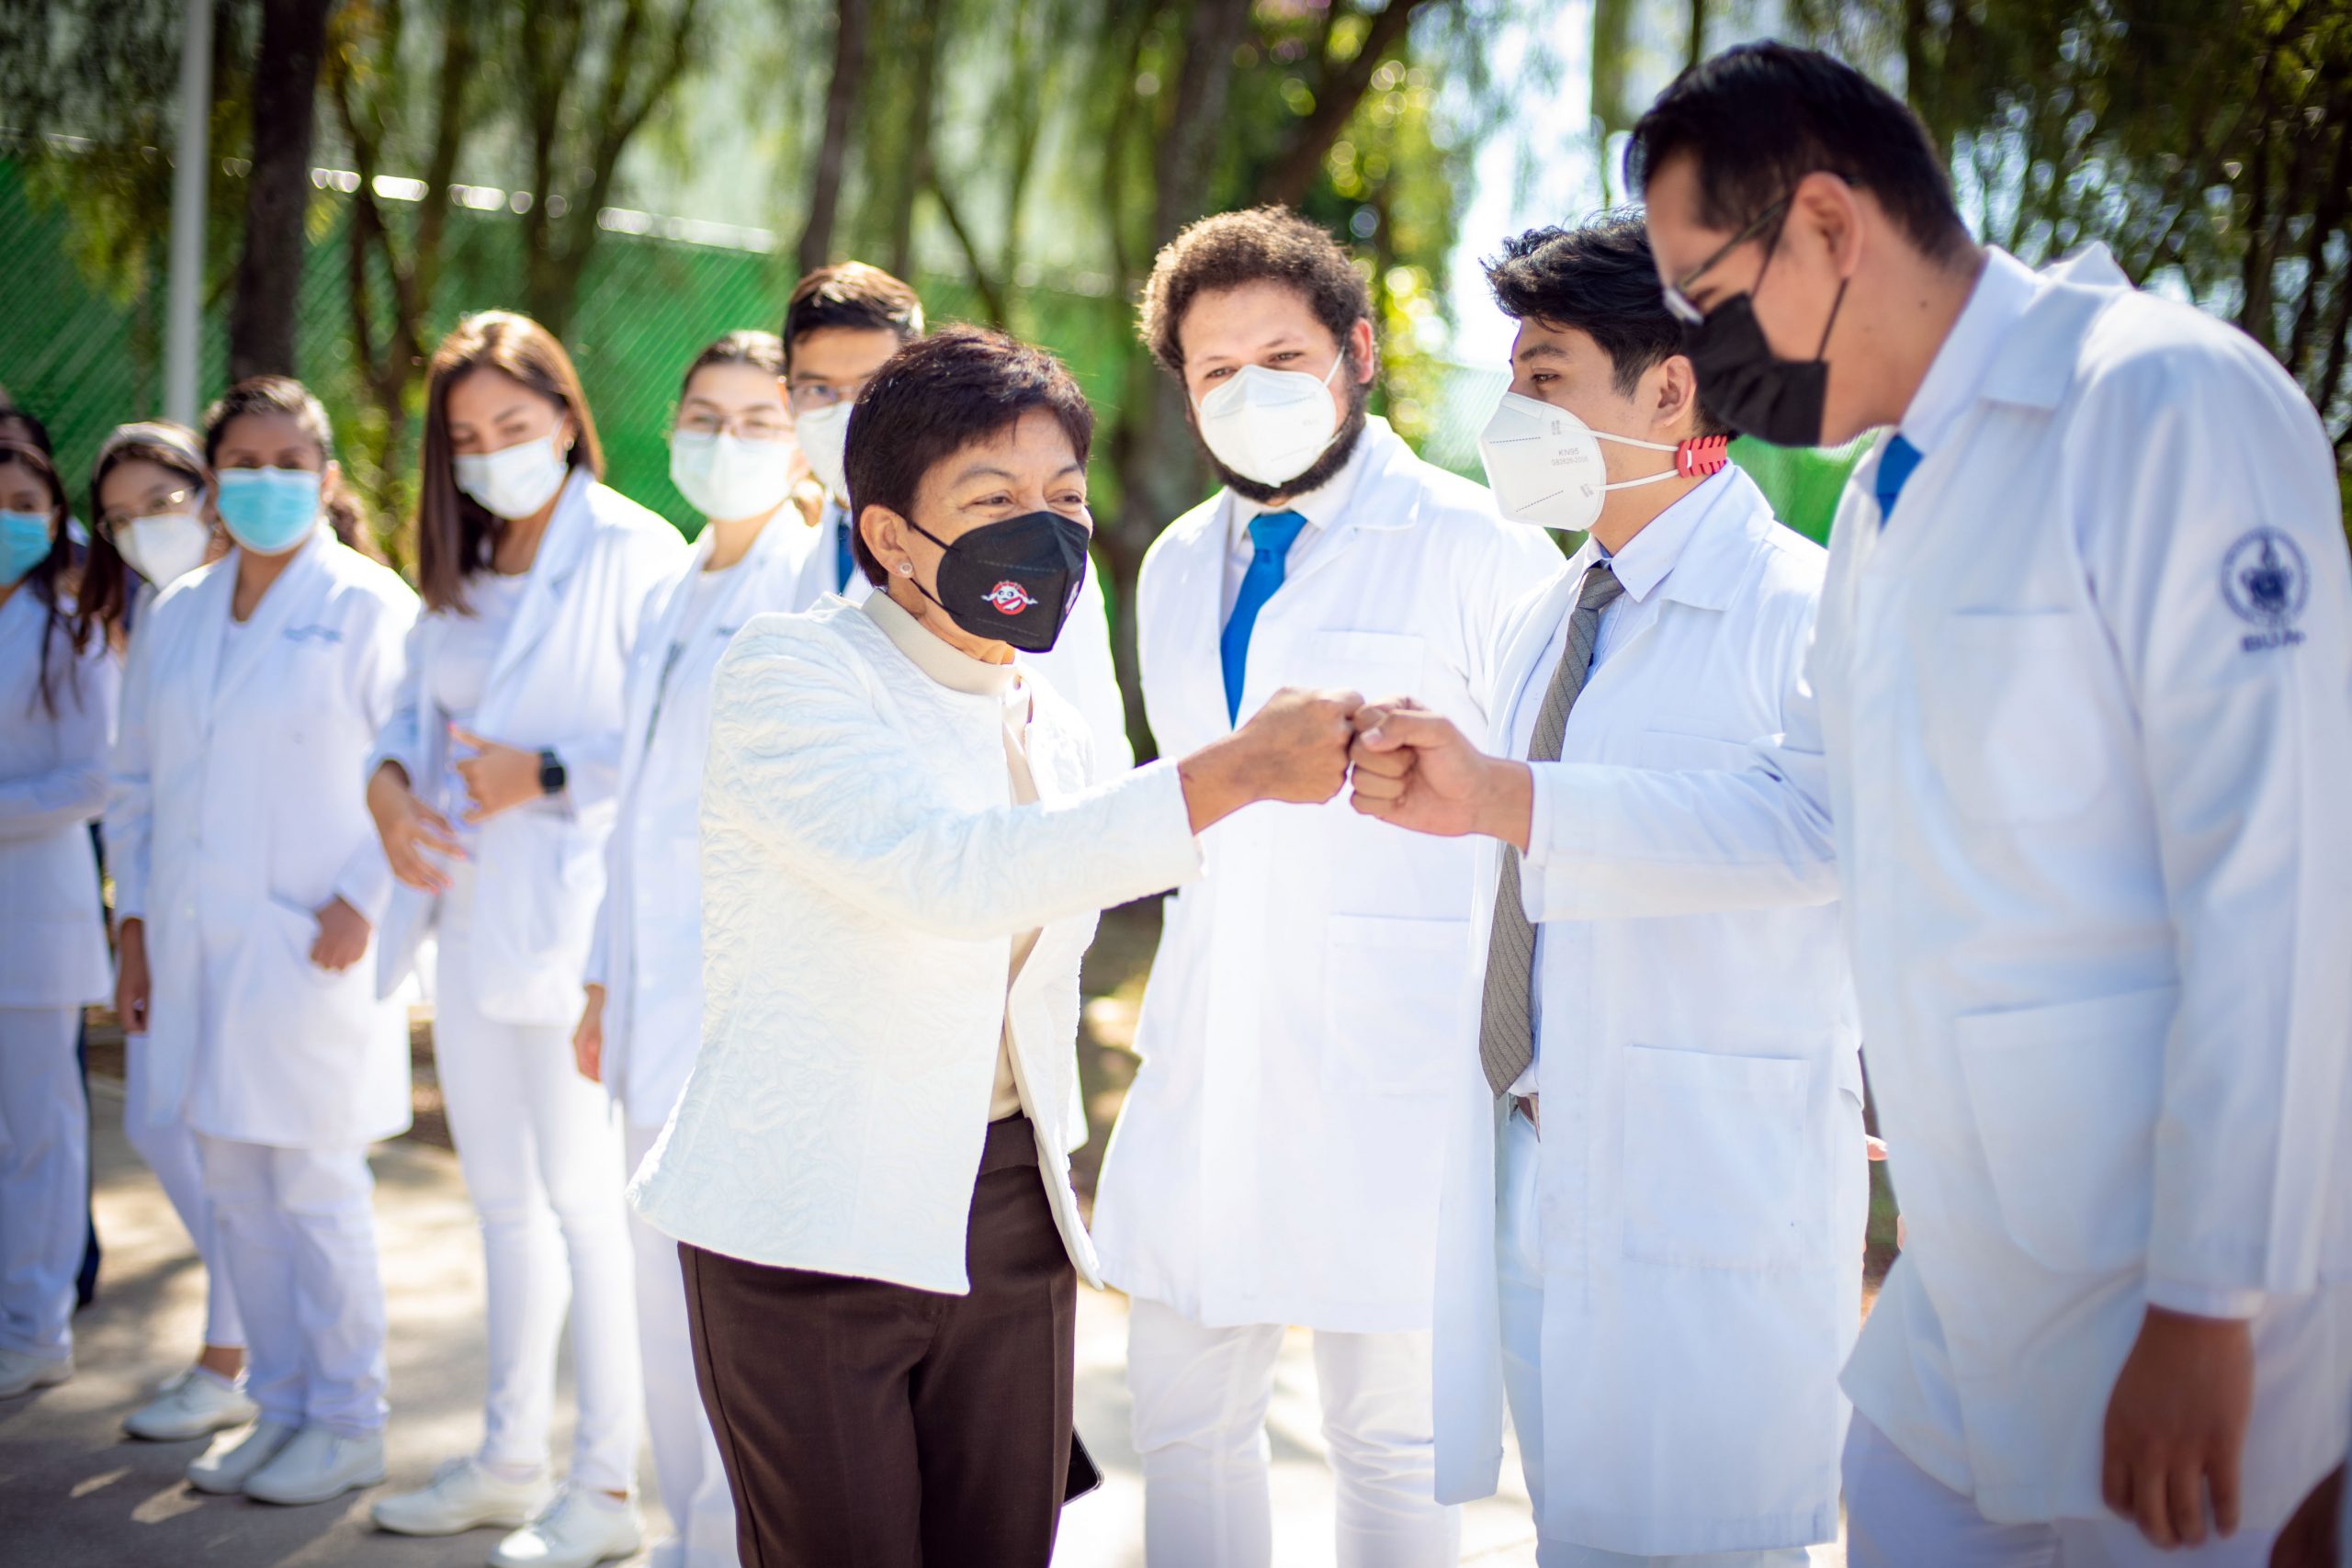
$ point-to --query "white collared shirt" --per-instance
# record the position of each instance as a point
(1322, 507)
(1646, 560)
(2002, 292)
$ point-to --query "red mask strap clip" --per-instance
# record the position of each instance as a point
(1700, 456)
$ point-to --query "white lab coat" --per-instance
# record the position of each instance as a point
(865, 873)
(648, 951)
(237, 810)
(1078, 666)
(1703, 1189)
(53, 786)
(2084, 784)
(1277, 1158)
(556, 683)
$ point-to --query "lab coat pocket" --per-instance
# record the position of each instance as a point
(1392, 993)
(1714, 1159)
(2014, 723)
(2065, 1100)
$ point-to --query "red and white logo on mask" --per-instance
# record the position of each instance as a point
(1010, 598)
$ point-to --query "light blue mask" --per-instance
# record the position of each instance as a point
(268, 511)
(25, 540)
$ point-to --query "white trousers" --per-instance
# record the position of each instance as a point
(540, 1149)
(1200, 1396)
(169, 1149)
(298, 1234)
(1519, 1268)
(1897, 1516)
(44, 1178)
(686, 1454)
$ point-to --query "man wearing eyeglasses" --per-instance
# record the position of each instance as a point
(840, 326)
(2080, 715)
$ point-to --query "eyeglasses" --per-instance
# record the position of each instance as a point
(182, 500)
(810, 395)
(1677, 300)
(761, 426)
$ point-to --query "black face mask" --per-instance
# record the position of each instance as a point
(1012, 581)
(1750, 388)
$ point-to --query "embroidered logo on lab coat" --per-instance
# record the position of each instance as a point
(2266, 581)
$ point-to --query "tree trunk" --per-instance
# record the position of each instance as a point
(277, 191)
(1339, 88)
(833, 152)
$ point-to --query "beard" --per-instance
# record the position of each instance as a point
(1315, 474)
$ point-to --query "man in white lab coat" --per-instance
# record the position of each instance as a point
(839, 325)
(1276, 1160)
(2074, 749)
(1650, 1242)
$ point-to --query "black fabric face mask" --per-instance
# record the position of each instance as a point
(1012, 581)
(1750, 388)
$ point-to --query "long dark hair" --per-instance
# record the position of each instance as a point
(455, 533)
(104, 596)
(283, 394)
(51, 579)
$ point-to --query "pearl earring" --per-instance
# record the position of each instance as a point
(906, 568)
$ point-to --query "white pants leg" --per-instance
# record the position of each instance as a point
(1897, 1516)
(44, 1178)
(686, 1454)
(298, 1234)
(540, 1149)
(1200, 1397)
(1518, 1266)
(1379, 1426)
(169, 1149)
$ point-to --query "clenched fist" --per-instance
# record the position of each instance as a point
(1293, 749)
(1414, 769)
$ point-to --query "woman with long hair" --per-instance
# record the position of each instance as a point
(494, 792)
(58, 686)
(249, 885)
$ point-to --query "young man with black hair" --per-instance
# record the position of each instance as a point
(1651, 1237)
(2077, 718)
(839, 325)
(1276, 1159)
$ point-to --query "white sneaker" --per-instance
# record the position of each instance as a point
(222, 1468)
(317, 1465)
(577, 1529)
(462, 1495)
(191, 1405)
(22, 1372)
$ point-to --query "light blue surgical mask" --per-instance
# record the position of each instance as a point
(25, 540)
(268, 511)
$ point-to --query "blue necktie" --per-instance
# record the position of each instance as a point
(1274, 534)
(844, 558)
(1894, 466)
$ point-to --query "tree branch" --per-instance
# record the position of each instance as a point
(1335, 103)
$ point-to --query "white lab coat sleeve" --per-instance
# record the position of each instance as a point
(2191, 459)
(1606, 841)
(84, 689)
(401, 737)
(128, 827)
(801, 772)
(381, 685)
(592, 760)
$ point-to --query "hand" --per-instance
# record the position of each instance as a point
(408, 828)
(130, 976)
(342, 936)
(1414, 769)
(2176, 1426)
(1293, 749)
(588, 1037)
(2309, 1540)
(497, 776)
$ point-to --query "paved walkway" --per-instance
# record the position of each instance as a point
(75, 1493)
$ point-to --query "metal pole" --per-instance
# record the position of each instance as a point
(190, 157)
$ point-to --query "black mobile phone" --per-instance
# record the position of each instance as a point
(1083, 1476)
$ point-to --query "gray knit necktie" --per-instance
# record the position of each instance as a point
(1507, 1017)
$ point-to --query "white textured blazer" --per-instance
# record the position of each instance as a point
(865, 873)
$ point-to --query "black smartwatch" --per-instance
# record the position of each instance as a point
(550, 774)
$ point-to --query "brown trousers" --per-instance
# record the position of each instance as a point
(866, 1425)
